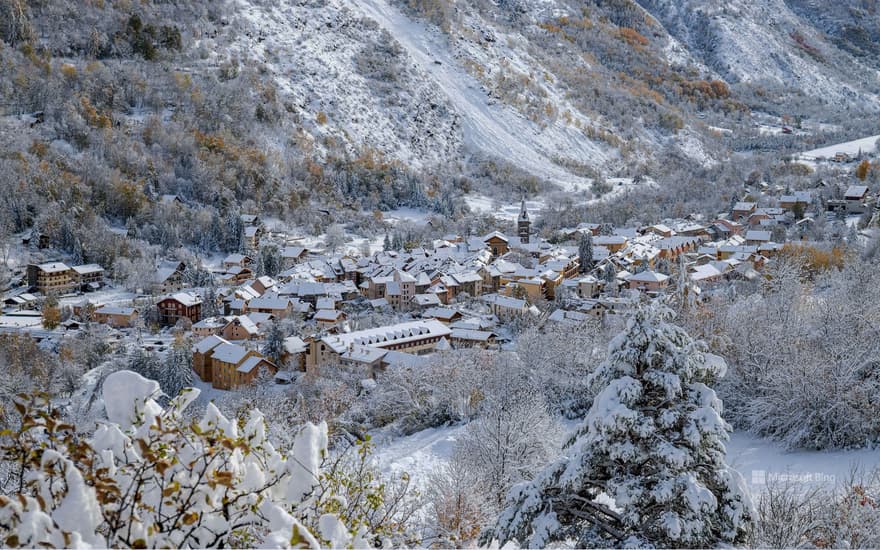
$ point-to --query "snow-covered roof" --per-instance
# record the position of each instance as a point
(87, 269)
(53, 267)
(505, 301)
(295, 344)
(188, 299)
(388, 335)
(249, 364)
(754, 235)
(229, 353)
(327, 315)
(472, 335)
(207, 344)
(855, 192)
(113, 310)
(648, 276)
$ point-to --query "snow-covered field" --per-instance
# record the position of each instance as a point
(758, 460)
(852, 148)
(502, 209)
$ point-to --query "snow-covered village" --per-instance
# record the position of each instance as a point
(433, 274)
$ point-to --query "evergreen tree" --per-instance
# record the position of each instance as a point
(269, 261)
(177, 373)
(145, 363)
(209, 303)
(273, 348)
(233, 232)
(386, 243)
(585, 252)
(610, 273)
(647, 466)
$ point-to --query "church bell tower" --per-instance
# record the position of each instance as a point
(523, 223)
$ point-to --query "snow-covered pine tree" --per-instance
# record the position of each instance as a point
(585, 252)
(177, 373)
(273, 348)
(647, 466)
(145, 363)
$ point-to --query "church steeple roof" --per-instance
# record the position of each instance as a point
(523, 213)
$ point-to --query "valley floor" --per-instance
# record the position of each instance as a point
(758, 460)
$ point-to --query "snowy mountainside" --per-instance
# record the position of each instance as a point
(352, 84)
(421, 111)
(767, 41)
(560, 90)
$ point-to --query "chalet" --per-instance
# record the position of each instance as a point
(648, 281)
(233, 366)
(757, 237)
(659, 229)
(208, 326)
(498, 243)
(742, 210)
(588, 287)
(236, 275)
(292, 255)
(329, 318)
(672, 247)
(705, 274)
(426, 300)
(294, 355)
(262, 284)
(614, 243)
(240, 260)
(856, 197)
(276, 305)
(797, 200)
(88, 277)
(182, 305)
(505, 307)
(50, 278)
(116, 317)
(416, 337)
(20, 301)
(443, 314)
(464, 338)
(252, 235)
(250, 220)
(201, 357)
(168, 278)
(239, 327)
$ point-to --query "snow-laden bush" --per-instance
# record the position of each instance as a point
(794, 514)
(805, 358)
(647, 466)
(147, 478)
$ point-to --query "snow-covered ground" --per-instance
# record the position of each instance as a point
(758, 460)
(414, 215)
(419, 454)
(486, 205)
(852, 148)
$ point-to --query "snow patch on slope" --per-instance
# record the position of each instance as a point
(492, 128)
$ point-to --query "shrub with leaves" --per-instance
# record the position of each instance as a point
(148, 478)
